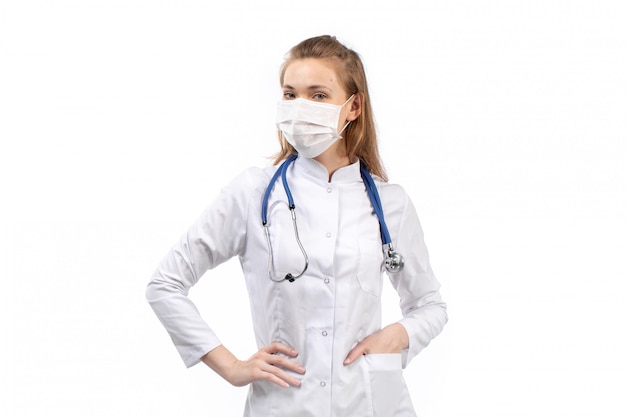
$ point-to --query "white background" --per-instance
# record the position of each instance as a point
(504, 120)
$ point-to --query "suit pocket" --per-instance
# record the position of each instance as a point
(369, 269)
(387, 387)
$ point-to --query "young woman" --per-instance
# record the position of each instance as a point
(314, 237)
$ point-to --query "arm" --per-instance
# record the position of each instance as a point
(214, 238)
(424, 312)
(423, 309)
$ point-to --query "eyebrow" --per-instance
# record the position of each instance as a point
(311, 87)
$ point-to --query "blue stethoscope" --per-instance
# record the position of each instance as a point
(394, 262)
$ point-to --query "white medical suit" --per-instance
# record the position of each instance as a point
(324, 314)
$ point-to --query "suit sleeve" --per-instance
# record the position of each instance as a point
(423, 310)
(218, 235)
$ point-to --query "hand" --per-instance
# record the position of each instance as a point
(391, 339)
(263, 365)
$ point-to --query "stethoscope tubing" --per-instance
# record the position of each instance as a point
(281, 171)
(376, 203)
(393, 261)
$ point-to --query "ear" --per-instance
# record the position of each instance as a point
(355, 107)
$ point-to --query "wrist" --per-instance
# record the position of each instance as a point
(222, 361)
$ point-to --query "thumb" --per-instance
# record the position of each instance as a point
(354, 354)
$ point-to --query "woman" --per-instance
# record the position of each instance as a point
(314, 281)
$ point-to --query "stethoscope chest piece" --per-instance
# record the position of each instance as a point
(394, 262)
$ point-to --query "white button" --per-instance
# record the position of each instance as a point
(324, 333)
(326, 280)
(327, 234)
(329, 190)
(322, 384)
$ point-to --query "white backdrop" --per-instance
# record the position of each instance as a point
(504, 120)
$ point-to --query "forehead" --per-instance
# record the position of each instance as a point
(311, 71)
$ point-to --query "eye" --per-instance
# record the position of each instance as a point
(319, 96)
(288, 95)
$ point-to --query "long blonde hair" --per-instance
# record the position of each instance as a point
(360, 135)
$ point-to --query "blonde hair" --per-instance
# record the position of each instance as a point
(360, 135)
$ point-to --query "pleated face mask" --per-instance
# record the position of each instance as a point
(309, 126)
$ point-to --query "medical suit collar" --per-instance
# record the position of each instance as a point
(348, 174)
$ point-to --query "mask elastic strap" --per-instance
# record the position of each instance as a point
(348, 122)
(344, 128)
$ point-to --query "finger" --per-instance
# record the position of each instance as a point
(356, 352)
(286, 378)
(279, 376)
(268, 376)
(278, 347)
(286, 363)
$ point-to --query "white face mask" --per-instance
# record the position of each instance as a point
(309, 126)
